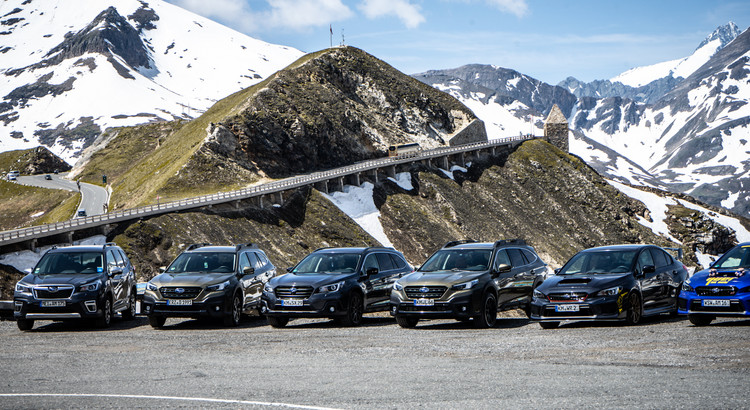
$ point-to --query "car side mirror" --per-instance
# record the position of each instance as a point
(162, 269)
(557, 270)
(290, 269)
(248, 270)
(115, 271)
(27, 270)
(649, 269)
(502, 268)
(371, 272)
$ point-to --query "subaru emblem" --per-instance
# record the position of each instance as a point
(52, 289)
(179, 290)
(424, 289)
(293, 290)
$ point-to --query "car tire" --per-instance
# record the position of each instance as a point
(354, 311)
(232, 318)
(634, 314)
(277, 321)
(129, 313)
(700, 320)
(106, 319)
(406, 321)
(549, 325)
(488, 315)
(157, 322)
(25, 324)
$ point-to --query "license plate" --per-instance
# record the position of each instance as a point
(180, 302)
(424, 302)
(53, 303)
(291, 302)
(567, 308)
(716, 302)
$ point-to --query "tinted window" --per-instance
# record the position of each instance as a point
(371, 261)
(502, 258)
(738, 257)
(258, 262)
(125, 260)
(599, 262)
(219, 262)
(398, 261)
(458, 259)
(244, 262)
(516, 257)
(262, 257)
(335, 263)
(111, 259)
(660, 260)
(530, 257)
(385, 262)
(71, 262)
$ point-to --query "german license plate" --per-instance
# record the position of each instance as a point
(180, 302)
(567, 308)
(424, 302)
(291, 302)
(53, 303)
(716, 303)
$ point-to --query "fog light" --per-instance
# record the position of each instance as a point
(217, 308)
(90, 305)
(393, 309)
(19, 305)
(463, 308)
(148, 308)
(331, 309)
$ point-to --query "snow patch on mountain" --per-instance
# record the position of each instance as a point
(358, 203)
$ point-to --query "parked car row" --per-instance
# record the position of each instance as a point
(464, 280)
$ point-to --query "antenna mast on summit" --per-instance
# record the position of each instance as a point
(343, 43)
(330, 29)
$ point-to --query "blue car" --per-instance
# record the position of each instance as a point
(721, 290)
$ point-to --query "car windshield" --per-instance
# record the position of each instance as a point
(210, 262)
(70, 263)
(328, 263)
(458, 260)
(593, 262)
(736, 258)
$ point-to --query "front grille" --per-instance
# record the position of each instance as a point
(297, 292)
(178, 292)
(716, 290)
(53, 292)
(735, 306)
(567, 297)
(425, 292)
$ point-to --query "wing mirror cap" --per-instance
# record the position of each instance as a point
(370, 272)
(248, 270)
(501, 268)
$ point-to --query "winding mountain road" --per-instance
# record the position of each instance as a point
(93, 197)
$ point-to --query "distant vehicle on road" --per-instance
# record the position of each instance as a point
(77, 282)
(48, 177)
(81, 213)
(396, 150)
(619, 282)
(721, 290)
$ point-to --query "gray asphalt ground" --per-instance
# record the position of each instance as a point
(93, 197)
(664, 363)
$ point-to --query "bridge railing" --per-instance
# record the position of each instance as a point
(18, 235)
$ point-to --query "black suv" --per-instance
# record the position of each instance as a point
(337, 283)
(77, 282)
(466, 280)
(207, 281)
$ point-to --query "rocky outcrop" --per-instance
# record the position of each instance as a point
(698, 232)
(43, 161)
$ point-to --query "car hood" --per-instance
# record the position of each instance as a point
(447, 278)
(190, 279)
(583, 282)
(60, 279)
(314, 280)
(723, 277)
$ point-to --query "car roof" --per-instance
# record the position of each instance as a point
(79, 248)
(623, 247)
(354, 249)
(214, 248)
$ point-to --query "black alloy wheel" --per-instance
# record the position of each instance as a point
(354, 311)
(129, 313)
(157, 322)
(235, 311)
(25, 324)
(635, 313)
(488, 316)
(106, 319)
(277, 321)
(406, 321)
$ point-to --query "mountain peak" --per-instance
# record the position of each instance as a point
(725, 34)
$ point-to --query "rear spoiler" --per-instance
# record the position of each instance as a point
(677, 252)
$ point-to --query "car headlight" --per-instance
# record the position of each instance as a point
(465, 285)
(538, 295)
(268, 288)
(218, 287)
(331, 288)
(150, 286)
(686, 287)
(23, 288)
(610, 292)
(398, 286)
(89, 287)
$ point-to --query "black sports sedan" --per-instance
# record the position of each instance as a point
(619, 282)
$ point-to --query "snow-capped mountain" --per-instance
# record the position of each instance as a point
(649, 83)
(694, 139)
(72, 68)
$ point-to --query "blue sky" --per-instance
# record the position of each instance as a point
(546, 39)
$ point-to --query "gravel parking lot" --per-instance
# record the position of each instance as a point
(664, 363)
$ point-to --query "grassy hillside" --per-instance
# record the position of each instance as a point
(20, 204)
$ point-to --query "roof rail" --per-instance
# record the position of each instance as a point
(461, 242)
(245, 245)
(108, 244)
(325, 247)
(380, 247)
(197, 245)
(516, 241)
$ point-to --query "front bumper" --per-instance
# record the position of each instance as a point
(460, 306)
(690, 303)
(600, 308)
(82, 305)
(318, 305)
(214, 306)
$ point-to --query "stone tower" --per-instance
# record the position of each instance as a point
(556, 129)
